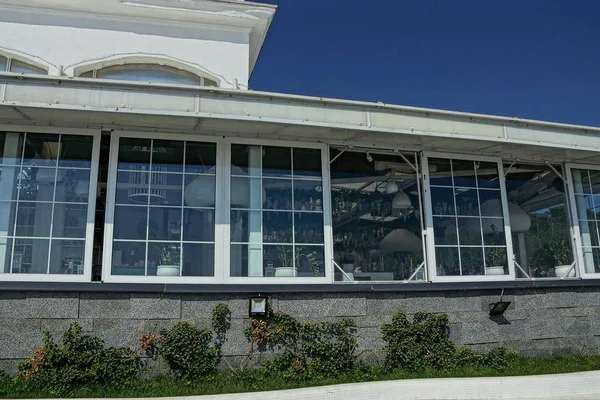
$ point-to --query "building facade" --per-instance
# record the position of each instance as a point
(143, 183)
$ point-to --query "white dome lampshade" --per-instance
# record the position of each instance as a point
(401, 240)
(200, 192)
(401, 201)
(391, 187)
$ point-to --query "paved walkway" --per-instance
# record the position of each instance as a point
(576, 386)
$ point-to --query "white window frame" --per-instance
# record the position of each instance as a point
(431, 261)
(575, 229)
(91, 211)
(110, 211)
(327, 218)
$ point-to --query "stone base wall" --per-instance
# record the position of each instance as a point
(538, 322)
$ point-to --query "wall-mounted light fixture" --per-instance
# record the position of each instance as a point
(499, 307)
(257, 306)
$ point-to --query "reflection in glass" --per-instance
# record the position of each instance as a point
(5, 254)
(448, 263)
(246, 226)
(276, 161)
(467, 201)
(30, 256)
(308, 195)
(245, 160)
(128, 258)
(200, 158)
(199, 191)
(134, 154)
(11, 148)
(75, 151)
(167, 155)
(198, 259)
(496, 260)
(130, 223)
(309, 261)
(164, 223)
(70, 220)
(41, 150)
(278, 194)
(464, 173)
(166, 188)
(33, 219)
(472, 260)
(376, 217)
(538, 218)
(442, 201)
(198, 225)
(469, 231)
(444, 229)
(7, 218)
(277, 227)
(132, 187)
(307, 162)
(67, 257)
(247, 260)
(308, 228)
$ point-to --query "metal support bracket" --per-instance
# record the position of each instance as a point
(342, 271)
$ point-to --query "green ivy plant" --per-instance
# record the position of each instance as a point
(77, 360)
(192, 353)
(304, 350)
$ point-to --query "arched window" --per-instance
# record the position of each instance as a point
(20, 67)
(149, 73)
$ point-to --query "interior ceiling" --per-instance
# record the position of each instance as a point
(341, 137)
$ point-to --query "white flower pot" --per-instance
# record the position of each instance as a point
(561, 271)
(285, 271)
(497, 270)
(167, 270)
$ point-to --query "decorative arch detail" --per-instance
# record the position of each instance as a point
(36, 64)
(125, 60)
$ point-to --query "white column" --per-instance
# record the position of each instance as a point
(7, 188)
(255, 259)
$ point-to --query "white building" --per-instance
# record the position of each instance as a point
(134, 155)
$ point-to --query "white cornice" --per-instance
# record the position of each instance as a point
(249, 17)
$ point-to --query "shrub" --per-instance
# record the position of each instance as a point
(75, 361)
(192, 353)
(498, 359)
(423, 343)
(306, 350)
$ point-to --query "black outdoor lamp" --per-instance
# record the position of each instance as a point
(257, 306)
(499, 307)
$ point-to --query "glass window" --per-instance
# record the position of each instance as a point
(586, 187)
(539, 219)
(468, 222)
(44, 195)
(3, 64)
(277, 226)
(24, 68)
(150, 73)
(164, 216)
(376, 216)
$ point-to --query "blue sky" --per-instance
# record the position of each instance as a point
(535, 59)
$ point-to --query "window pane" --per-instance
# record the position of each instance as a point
(11, 147)
(491, 203)
(167, 155)
(75, 151)
(277, 227)
(247, 260)
(307, 162)
(444, 229)
(148, 73)
(74, 185)
(5, 255)
(308, 228)
(588, 206)
(487, 175)
(442, 201)
(130, 223)
(246, 226)
(164, 224)
(198, 225)
(496, 261)
(10, 181)
(277, 161)
(440, 172)
(31, 256)
(278, 194)
(472, 260)
(24, 68)
(132, 187)
(309, 261)
(246, 160)
(37, 184)
(7, 218)
(281, 259)
(447, 260)
(198, 259)
(67, 257)
(33, 219)
(3, 64)
(308, 195)
(464, 173)
(469, 231)
(134, 154)
(467, 202)
(128, 258)
(493, 231)
(164, 259)
(199, 191)
(200, 158)
(166, 189)
(70, 220)
(41, 149)
(581, 181)
(247, 193)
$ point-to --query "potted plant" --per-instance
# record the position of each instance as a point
(169, 261)
(495, 257)
(561, 252)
